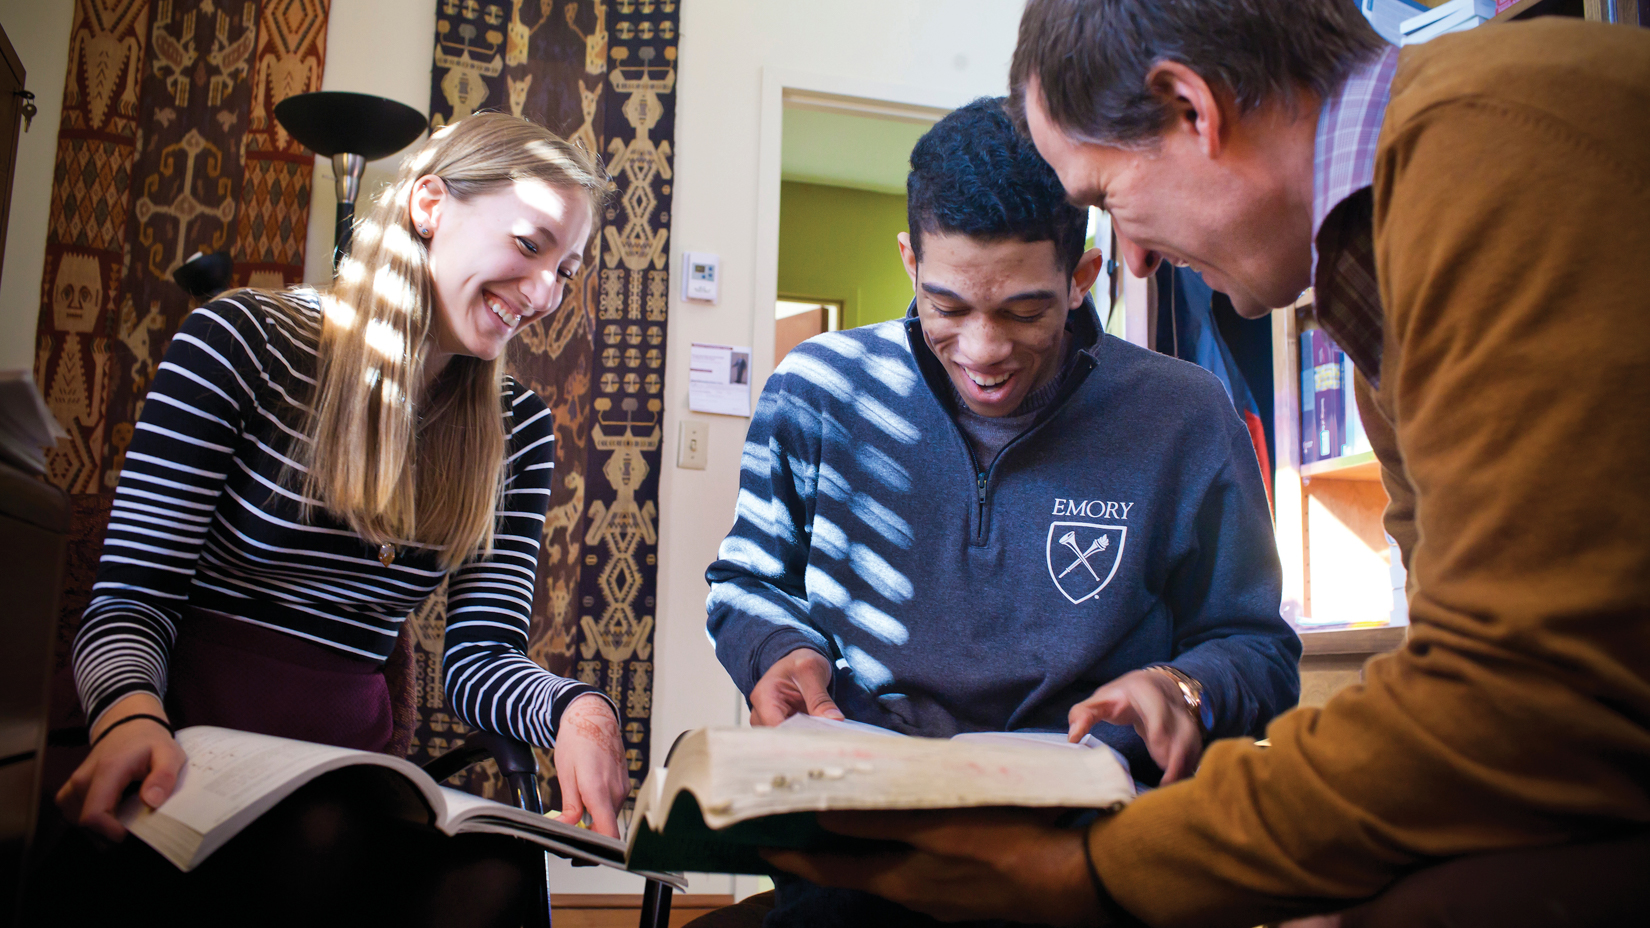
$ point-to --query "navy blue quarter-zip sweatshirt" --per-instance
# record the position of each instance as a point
(1127, 526)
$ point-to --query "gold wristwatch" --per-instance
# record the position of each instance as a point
(1192, 692)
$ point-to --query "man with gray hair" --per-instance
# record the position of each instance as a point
(1474, 216)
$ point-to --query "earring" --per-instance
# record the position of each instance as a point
(423, 231)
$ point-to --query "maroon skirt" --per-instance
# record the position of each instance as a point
(235, 674)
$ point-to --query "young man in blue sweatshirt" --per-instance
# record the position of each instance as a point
(991, 516)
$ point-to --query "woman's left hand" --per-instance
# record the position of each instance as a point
(590, 764)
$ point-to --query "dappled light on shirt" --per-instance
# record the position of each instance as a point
(881, 575)
(850, 566)
(872, 673)
(876, 622)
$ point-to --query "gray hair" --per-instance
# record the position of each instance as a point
(1091, 57)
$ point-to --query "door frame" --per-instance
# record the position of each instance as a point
(782, 88)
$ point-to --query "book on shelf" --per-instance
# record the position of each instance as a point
(27, 426)
(1309, 624)
(725, 793)
(1331, 426)
(1459, 23)
(1309, 403)
(1452, 16)
(1354, 439)
(233, 777)
(1387, 16)
(1327, 393)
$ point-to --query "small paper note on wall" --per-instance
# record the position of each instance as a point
(719, 379)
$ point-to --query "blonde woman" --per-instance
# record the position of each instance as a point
(309, 466)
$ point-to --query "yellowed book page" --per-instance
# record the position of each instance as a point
(741, 774)
(232, 777)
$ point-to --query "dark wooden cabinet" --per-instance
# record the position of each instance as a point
(11, 122)
(34, 539)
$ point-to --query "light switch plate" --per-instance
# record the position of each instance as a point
(690, 450)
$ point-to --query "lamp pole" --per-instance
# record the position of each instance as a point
(351, 129)
(346, 169)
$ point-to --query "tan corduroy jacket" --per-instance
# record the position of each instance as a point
(1512, 235)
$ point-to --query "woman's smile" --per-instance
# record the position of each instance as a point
(502, 310)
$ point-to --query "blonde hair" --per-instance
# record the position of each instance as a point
(396, 463)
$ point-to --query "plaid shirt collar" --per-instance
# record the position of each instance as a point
(1349, 124)
(1347, 296)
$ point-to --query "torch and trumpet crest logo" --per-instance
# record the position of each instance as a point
(1083, 557)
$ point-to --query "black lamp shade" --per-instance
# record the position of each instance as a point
(334, 122)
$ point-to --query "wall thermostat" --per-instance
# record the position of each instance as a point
(701, 278)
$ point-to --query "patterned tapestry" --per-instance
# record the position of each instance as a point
(603, 73)
(168, 146)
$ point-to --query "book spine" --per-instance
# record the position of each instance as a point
(1337, 401)
(1326, 372)
(1349, 408)
(1340, 391)
(1388, 16)
(1309, 401)
(1453, 23)
(1357, 441)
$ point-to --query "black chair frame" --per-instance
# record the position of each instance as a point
(520, 770)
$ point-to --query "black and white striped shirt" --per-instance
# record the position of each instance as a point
(201, 517)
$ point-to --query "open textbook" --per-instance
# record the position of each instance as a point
(233, 777)
(726, 793)
(27, 427)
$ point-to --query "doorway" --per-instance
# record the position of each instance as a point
(832, 161)
(798, 319)
(842, 206)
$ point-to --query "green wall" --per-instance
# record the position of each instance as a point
(836, 243)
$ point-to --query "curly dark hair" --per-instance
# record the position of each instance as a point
(974, 175)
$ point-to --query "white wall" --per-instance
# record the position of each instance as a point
(39, 31)
(957, 49)
(382, 47)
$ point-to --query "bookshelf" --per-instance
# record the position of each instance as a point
(1623, 12)
(1339, 587)
(1362, 466)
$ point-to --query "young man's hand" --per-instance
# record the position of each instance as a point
(797, 684)
(141, 750)
(590, 764)
(1152, 703)
(969, 864)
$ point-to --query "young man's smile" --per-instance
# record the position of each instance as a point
(994, 313)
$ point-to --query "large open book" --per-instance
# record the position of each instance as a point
(233, 777)
(27, 427)
(725, 793)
